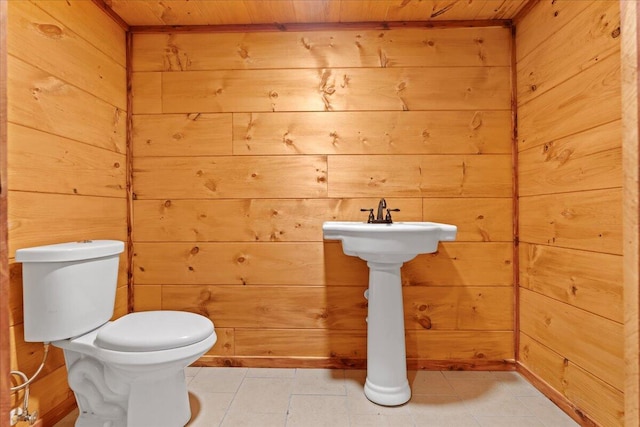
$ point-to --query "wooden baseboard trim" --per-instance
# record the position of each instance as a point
(556, 397)
(341, 363)
(60, 411)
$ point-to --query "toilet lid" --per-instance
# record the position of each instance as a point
(153, 331)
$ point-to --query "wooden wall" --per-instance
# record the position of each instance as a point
(244, 143)
(66, 155)
(570, 185)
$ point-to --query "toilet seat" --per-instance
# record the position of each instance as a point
(153, 331)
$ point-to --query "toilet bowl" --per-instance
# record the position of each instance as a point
(127, 372)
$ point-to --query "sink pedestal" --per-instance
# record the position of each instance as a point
(386, 247)
(386, 354)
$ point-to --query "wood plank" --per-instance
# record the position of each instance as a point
(396, 47)
(455, 264)
(420, 176)
(261, 263)
(587, 280)
(339, 308)
(436, 345)
(363, 11)
(224, 13)
(301, 342)
(583, 42)
(458, 308)
(90, 23)
(146, 90)
(462, 264)
(589, 220)
(631, 227)
(70, 167)
(230, 177)
(225, 343)
(595, 398)
(466, 345)
(478, 220)
(407, 132)
(585, 161)
(40, 40)
(42, 101)
(550, 15)
(590, 341)
(5, 302)
(589, 99)
(498, 9)
(181, 135)
(273, 307)
(65, 218)
(250, 220)
(147, 297)
(353, 89)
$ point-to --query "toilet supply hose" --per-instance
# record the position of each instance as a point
(24, 377)
(22, 414)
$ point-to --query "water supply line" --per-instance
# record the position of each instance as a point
(22, 414)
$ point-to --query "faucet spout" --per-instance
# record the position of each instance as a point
(382, 205)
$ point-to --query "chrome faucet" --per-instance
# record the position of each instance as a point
(381, 218)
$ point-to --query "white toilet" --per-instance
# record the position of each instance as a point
(129, 372)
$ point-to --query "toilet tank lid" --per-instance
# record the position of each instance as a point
(154, 331)
(72, 251)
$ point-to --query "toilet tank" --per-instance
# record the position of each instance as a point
(69, 289)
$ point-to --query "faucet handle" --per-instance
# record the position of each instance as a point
(371, 217)
(388, 216)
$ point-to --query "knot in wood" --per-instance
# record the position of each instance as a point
(241, 259)
(615, 33)
(195, 250)
(116, 165)
(167, 203)
(273, 94)
(49, 30)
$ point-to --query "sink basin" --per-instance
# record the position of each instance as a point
(386, 247)
(388, 243)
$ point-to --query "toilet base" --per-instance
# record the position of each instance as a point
(110, 397)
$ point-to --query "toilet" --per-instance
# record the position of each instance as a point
(127, 372)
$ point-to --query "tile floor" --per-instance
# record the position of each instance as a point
(239, 397)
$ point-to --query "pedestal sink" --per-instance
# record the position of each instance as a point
(386, 247)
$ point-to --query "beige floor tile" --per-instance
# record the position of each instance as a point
(515, 384)
(320, 381)
(467, 375)
(380, 420)
(318, 411)
(509, 422)
(496, 404)
(429, 382)
(218, 380)
(426, 405)
(547, 412)
(250, 419)
(354, 380)
(208, 409)
(271, 373)
(448, 420)
(263, 395)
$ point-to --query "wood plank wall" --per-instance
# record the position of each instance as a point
(569, 142)
(244, 143)
(66, 155)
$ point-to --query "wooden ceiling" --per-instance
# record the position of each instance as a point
(239, 12)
